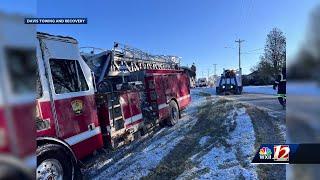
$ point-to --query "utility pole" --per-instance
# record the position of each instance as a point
(239, 42)
(215, 70)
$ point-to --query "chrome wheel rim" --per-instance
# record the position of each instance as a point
(50, 169)
(174, 115)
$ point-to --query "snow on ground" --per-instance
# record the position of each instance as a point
(212, 162)
(138, 164)
(259, 89)
(227, 163)
(204, 140)
(145, 157)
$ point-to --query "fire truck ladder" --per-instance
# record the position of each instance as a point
(126, 58)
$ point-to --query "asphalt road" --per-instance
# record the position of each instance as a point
(265, 101)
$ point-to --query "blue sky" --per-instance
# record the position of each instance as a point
(198, 31)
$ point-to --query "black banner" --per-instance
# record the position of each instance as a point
(288, 154)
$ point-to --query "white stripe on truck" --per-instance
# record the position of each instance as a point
(183, 97)
(133, 119)
(161, 106)
(83, 136)
(90, 133)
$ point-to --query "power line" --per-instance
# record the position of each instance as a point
(252, 53)
(256, 49)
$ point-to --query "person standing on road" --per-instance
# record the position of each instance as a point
(281, 83)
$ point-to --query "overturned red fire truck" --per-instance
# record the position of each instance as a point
(91, 100)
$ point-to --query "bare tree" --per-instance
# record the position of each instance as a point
(274, 56)
(273, 59)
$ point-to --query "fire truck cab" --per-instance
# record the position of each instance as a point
(17, 65)
(87, 101)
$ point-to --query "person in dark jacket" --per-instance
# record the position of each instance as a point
(280, 82)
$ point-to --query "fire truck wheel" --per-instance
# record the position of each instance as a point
(53, 163)
(174, 113)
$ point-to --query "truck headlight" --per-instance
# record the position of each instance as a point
(223, 87)
(231, 86)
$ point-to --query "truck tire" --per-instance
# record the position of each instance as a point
(174, 113)
(53, 162)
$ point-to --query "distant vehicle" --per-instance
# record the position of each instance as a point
(202, 82)
(229, 83)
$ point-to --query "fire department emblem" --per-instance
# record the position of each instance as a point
(77, 106)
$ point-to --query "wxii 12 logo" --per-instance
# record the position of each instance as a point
(265, 153)
(281, 152)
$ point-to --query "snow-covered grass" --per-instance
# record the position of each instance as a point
(204, 140)
(194, 147)
(138, 164)
(232, 162)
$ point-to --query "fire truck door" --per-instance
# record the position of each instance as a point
(171, 86)
(74, 105)
(125, 106)
(135, 108)
(160, 89)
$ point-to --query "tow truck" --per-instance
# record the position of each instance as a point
(106, 99)
(229, 82)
